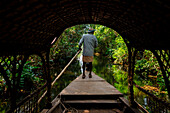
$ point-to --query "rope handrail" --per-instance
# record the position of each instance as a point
(39, 100)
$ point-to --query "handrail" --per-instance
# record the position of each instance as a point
(65, 67)
(32, 94)
(153, 96)
(39, 100)
(141, 107)
(28, 97)
(42, 87)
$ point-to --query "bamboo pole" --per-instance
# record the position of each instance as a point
(59, 75)
(65, 68)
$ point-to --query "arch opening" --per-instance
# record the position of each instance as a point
(140, 58)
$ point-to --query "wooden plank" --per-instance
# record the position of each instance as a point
(91, 101)
(44, 111)
(87, 79)
(126, 102)
(100, 111)
(90, 88)
(141, 107)
(93, 86)
(55, 106)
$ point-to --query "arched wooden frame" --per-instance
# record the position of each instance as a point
(12, 65)
(163, 57)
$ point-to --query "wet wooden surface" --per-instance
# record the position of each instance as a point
(90, 86)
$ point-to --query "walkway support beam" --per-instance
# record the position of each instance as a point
(49, 79)
(131, 61)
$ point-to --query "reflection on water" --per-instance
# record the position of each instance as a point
(145, 102)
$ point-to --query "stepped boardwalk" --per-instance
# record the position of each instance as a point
(90, 95)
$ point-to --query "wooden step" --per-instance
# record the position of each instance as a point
(91, 101)
(99, 111)
(92, 104)
(90, 97)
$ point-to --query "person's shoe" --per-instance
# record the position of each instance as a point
(90, 76)
(83, 76)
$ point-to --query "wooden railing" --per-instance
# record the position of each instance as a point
(30, 104)
(156, 104)
(52, 84)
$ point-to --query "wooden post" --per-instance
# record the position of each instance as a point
(49, 105)
(130, 79)
(44, 65)
(13, 91)
(20, 70)
(131, 61)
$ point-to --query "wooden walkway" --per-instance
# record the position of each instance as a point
(90, 86)
(89, 95)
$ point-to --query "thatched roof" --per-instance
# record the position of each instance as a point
(29, 26)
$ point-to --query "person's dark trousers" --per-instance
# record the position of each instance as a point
(90, 69)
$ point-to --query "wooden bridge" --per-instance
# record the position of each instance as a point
(90, 95)
(32, 27)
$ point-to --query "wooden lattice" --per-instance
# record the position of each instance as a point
(163, 57)
(31, 26)
(11, 68)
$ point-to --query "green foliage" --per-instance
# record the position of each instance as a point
(67, 46)
(121, 79)
(148, 71)
(31, 78)
(120, 53)
(106, 37)
(31, 74)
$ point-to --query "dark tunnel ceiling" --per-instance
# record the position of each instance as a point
(30, 26)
